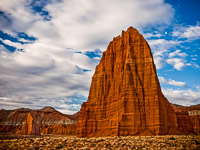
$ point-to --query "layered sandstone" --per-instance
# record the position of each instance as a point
(29, 126)
(184, 123)
(125, 96)
(36, 122)
(188, 118)
(180, 108)
(196, 123)
(59, 129)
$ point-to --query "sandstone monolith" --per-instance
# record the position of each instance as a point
(125, 97)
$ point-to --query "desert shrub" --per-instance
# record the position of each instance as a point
(172, 138)
(59, 146)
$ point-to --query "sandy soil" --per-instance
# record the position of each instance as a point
(50, 142)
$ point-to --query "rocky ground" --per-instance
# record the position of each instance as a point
(190, 142)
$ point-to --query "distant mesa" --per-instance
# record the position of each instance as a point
(47, 120)
(125, 97)
(48, 109)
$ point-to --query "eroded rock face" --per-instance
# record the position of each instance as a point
(29, 126)
(188, 118)
(36, 122)
(125, 96)
(60, 129)
(180, 108)
(184, 123)
(196, 123)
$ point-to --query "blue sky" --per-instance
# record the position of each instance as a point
(49, 49)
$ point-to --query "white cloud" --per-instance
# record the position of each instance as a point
(177, 63)
(159, 62)
(197, 66)
(85, 25)
(171, 82)
(160, 48)
(151, 35)
(177, 53)
(190, 32)
(26, 76)
(177, 59)
(182, 97)
(19, 16)
(4, 53)
(13, 44)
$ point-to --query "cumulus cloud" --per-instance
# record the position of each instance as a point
(182, 97)
(172, 82)
(177, 53)
(85, 25)
(159, 61)
(189, 32)
(177, 63)
(152, 35)
(4, 53)
(177, 59)
(13, 44)
(161, 48)
(165, 51)
(163, 44)
(27, 76)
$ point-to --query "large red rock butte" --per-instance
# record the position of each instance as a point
(125, 97)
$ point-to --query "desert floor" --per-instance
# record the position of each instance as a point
(169, 142)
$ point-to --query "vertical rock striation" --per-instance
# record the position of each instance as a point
(188, 118)
(125, 97)
(35, 122)
(29, 126)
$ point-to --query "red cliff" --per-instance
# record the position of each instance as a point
(188, 118)
(29, 127)
(125, 96)
(36, 122)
